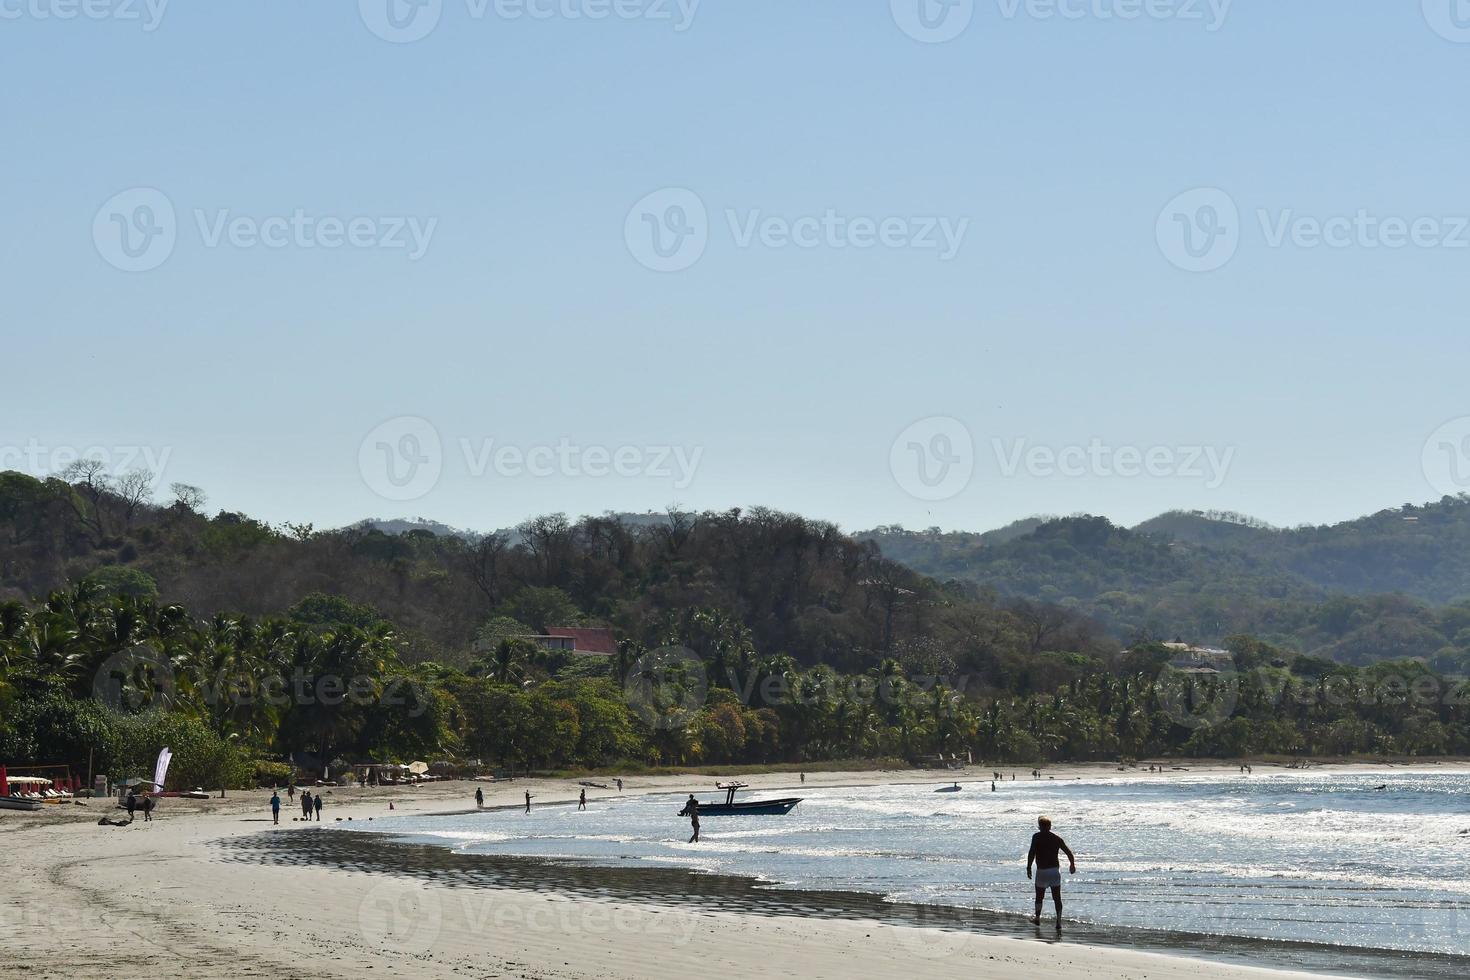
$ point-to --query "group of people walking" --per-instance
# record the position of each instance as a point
(311, 806)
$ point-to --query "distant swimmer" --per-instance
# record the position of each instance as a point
(1045, 847)
(1384, 786)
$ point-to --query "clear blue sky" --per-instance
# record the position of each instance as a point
(531, 318)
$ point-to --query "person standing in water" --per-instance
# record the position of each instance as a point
(582, 801)
(479, 798)
(1045, 847)
(620, 785)
(528, 801)
(691, 810)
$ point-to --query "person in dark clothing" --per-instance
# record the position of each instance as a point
(275, 807)
(479, 797)
(147, 809)
(528, 801)
(1045, 848)
(582, 801)
(306, 804)
(316, 803)
(691, 810)
(132, 804)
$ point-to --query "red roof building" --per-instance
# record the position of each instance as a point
(587, 641)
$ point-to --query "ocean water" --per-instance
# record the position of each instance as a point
(1286, 857)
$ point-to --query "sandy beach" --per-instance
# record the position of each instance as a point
(158, 898)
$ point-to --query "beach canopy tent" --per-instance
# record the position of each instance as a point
(137, 781)
(28, 781)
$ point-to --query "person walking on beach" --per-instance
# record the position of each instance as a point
(582, 801)
(620, 785)
(132, 804)
(528, 801)
(691, 810)
(275, 806)
(479, 798)
(306, 804)
(291, 790)
(316, 803)
(1045, 847)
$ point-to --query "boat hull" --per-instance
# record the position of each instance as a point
(10, 803)
(755, 808)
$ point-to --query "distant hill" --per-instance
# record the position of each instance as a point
(1356, 590)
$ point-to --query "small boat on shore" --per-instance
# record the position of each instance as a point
(949, 789)
(750, 808)
(18, 803)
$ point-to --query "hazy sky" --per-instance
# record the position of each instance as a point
(871, 261)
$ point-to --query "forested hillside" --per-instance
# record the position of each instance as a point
(1390, 585)
(801, 587)
(745, 637)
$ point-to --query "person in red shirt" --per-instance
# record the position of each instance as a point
(1045, 848)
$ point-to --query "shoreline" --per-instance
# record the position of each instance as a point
(81, 893)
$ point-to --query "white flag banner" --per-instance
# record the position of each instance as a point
(160, 772)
